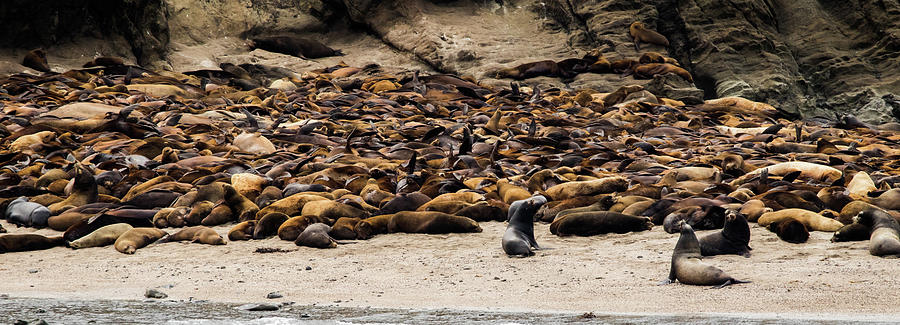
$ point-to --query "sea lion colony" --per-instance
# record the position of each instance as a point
(361, 151)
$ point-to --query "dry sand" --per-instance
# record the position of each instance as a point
(608, 273)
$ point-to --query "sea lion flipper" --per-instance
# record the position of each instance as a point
(665, 282)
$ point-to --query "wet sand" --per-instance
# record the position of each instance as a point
(615, 273)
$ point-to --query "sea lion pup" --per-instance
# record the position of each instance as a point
(316, 236)
(296, 46)
(195, 234)
(688, 268)
(812, 221)
(733, 239)
(430, 222)
(790, 230)
(518, 240)
(546, 68)
(106, 235)
(84, 191)
(598, 222)
(585, 188)
(885, 236)
(268, 225)
(136, 238)
(852, 232)
(242, 231)
(29, 214)
(647, 71)
(104, 61)
(639, 33)
(369, 227)
(292, 227)
(343, 228)
(36, 59)
(28, 242)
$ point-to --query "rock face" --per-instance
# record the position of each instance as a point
(812, 58)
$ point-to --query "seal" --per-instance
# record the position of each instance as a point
(598, 222)
(404, 202)
(220, 214)
(790, 230)
(268, 226)
(103, 236)
(518, 240)
(431, 222)
(328, 209)
(29, 214)
(290, 205)
(492, 210)
(688, 267)
(242, 231)
(812, 221)
(195, 234)
(36, 59)
(137, 238)
(639, 33)
(316, 236)
(885, 236)
(199, 211)
(343, 228)
(753, 209)
(296, 46)
(28, 242)
(734, 238)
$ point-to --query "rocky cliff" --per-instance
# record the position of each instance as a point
(814, 58)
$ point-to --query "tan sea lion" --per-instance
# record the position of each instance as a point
(344, 227)
(753, 209)
(688, 267)
(220, 214)
(106, 235)
(647, 71)
(860, 185)
(812, 221)
(430, 222)
(291, 228)
(369, 227)
(136, 238)
(585, 188)
(199, 211)
(195, 234)
(331, 210)
(242, 231)
(640, 33)
(291, 205)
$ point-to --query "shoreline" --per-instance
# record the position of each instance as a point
(601, 274)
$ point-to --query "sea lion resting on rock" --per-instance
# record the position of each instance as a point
(519, 239)
(647, 71)
(28, 242)
(195, 234)
(640, 33)
(29, 214)
(136, 238)
(106, 235)
(733, 239)
(687, 266)
(885, 236)
(296, 46)
(316, 235)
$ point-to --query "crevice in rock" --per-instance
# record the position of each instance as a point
(582, 23)
(673, 25)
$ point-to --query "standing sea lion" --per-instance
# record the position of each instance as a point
(518, 240)
(885, 236)
(84, 191)
(316, 235)
(639, 33)
(733, 239)
(687, 266)
(106, 235)
(136, 238)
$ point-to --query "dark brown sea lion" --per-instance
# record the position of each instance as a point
(36, 59)
(195, 234)
(404, 202)
(885, 236)
(296, 46)
(136, 238)
(598, 222)
(268, 225)
(485, 211)
(546, 68)
(790, 230)
(84, 191)
(344, 227)
(640, 33)
(242, 231)
(199, 211)
(852, 232)
(431, 222)
(733, 239)
(705, 218)
(28, 242)
(687, 266)
(220, 214)
(518, 239)
(316, 236)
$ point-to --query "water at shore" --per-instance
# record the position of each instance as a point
(180, 312)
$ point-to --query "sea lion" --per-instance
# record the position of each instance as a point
(852, 232)
(291, 228)
(753, 209)
(104, 61)
(28, 242)
(369, 227)
(84, 191)
(733, 239)
(860, 185)
(242, 231)
(640, 33)
(510, 193)
(331, 210)
(268, 225)
(687, 265)
(195, 234)
(31, 143)
(431, 222)
(242, 207)
(404, 202)
(889, 200)
(518, 239)
(585, 188)
(36, 59)
(598, 222)
(290, 205)
(199, 211)
(106, 235)
(136, 238)
(651, 57)
(885, 236)
(701, 217)
(647, 71)
(29, 214)
(807, 170)
(849, 211)
(316, 236)
(343, 228)
(219, 215)
(790, 230)
(546, 68)
(812, 221)
(485, 211)
(296, 46)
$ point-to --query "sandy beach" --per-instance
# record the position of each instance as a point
(607, 273)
